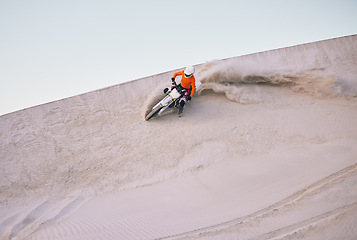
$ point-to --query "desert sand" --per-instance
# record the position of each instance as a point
(266, 149)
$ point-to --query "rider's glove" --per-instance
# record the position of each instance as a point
(188, 98)
(173, 80)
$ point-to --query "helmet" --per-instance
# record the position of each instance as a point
(189, 71)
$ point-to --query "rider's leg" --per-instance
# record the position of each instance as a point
(182, 104)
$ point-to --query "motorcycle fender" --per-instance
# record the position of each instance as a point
(164, 102)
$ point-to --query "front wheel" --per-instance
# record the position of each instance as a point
(153, 113)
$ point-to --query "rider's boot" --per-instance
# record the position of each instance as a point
(180, 111)
(182, 104)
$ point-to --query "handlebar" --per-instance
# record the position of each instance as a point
(178, 87)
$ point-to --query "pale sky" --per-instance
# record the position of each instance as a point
(51, 50)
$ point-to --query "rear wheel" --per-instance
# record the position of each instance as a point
(153, 113)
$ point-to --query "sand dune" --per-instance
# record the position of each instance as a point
(267, 149)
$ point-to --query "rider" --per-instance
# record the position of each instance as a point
(187, 84)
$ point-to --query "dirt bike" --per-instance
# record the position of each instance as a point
(169, 101)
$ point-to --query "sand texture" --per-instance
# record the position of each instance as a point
(266, 149)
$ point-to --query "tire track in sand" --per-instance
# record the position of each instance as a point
(276, 208)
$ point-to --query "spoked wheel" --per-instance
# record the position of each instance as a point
(153, 113)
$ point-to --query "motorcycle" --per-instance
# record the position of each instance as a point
(169, 101)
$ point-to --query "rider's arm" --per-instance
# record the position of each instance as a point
(178, 73)
(193, 84)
